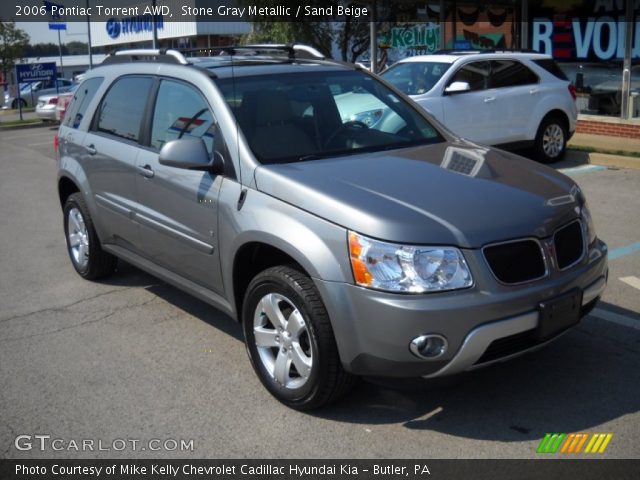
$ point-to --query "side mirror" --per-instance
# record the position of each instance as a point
(457, 87)
(191, 154)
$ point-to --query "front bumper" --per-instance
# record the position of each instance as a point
(486, 323)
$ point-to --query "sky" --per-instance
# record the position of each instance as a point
(40, 33)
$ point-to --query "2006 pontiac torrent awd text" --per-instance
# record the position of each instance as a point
(347, 230)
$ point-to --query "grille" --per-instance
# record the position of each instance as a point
(569, 245)
(516, 262)
(503, 347)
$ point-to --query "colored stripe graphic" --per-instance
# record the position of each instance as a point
(572, 443)
(551, 442)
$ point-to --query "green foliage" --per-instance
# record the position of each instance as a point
(13, 42)
(352, 37)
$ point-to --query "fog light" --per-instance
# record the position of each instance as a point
(428, 346)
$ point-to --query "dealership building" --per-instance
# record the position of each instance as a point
(595, 42)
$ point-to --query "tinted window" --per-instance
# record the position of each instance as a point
(415, 78)
(123, 106)
(81, 100)
(180, 111)
(552, 67)
(313, 115)
(476, 74)
(509, 73)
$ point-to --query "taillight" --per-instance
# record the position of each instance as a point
(56, 142)
(53, 101)
(572, 91)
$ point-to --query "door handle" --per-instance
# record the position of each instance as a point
(146, 171)
(533, 91)
(489, 99)
(91, 149)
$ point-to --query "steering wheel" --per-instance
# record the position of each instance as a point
(345, 126)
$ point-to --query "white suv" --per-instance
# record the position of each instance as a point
(510, 99)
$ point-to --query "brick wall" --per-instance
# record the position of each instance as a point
(610, 129)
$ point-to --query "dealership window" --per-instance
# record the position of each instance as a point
(589, 40)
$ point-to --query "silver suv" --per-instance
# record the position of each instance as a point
(511, 99)
(346, 242)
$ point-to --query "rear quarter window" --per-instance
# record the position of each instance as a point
(81, 100)
(552, 67)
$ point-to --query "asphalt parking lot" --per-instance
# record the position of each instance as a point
(134, 358)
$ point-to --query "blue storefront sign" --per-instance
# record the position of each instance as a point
(33, 72)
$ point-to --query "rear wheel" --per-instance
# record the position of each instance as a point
(83, 245)
(551, 139)
(290, 341)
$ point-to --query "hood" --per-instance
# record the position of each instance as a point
(444, 194)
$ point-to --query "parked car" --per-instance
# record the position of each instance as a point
(30, 91)
(63, 103)
(47, 105)
(509, 99)
(343, 247)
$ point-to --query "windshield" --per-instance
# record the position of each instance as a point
(311, 115)
(415, 78)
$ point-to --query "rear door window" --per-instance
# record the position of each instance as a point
(122, 108)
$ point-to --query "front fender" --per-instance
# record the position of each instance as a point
(319, 246)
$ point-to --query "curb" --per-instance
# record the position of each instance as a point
(23, 126)
(605, 159)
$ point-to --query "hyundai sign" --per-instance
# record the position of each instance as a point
(143, 23)
(33, 72)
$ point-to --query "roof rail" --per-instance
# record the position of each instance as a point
(472, 51)
(145, 55)
(294, 51)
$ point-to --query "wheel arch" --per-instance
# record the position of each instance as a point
(66, 187)
(556, 112)
(254, 257)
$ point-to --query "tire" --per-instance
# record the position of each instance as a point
(14, 104)
(83, 245)
(297, 359)
(551, 139)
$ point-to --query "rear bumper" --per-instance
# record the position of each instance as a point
(481, 325)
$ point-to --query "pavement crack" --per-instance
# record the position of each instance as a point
(76, 325)
(63, 307)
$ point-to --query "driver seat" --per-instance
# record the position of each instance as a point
(275, 135)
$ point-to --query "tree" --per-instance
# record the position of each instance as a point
(13, 42)
(326, 31)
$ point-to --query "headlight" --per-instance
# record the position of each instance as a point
(587, 222)
(369, 118)
(407, 268)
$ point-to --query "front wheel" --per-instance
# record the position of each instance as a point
(290, 341)
(551, 140)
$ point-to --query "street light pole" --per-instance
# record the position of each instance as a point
(89, 38)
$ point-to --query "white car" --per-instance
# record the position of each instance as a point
(510, 99)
